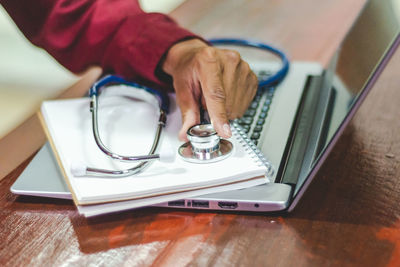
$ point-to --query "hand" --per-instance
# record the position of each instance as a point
(216, 79)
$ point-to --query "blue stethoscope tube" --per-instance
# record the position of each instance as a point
(273, 79)
(113, 79)
(164, 109)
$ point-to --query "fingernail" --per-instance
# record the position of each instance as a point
(227, 129)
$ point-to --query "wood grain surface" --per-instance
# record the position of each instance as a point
(350, 215)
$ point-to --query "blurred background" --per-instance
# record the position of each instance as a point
(28, 75)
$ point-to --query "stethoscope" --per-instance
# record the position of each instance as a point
(204, 145)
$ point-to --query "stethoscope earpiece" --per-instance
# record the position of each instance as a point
(204, 145)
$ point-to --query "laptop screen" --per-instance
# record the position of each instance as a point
(350, 74)
(362, 50)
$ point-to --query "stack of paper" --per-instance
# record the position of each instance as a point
(127, 126)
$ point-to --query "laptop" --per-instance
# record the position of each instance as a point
(295, 124)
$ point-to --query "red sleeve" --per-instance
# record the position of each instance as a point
(114, 34)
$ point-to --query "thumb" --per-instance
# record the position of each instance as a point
(189, 106)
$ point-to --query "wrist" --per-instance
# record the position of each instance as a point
(179, 52)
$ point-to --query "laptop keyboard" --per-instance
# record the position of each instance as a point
(254, 118)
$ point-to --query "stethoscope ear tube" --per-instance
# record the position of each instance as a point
(273, 79)
(96, 88)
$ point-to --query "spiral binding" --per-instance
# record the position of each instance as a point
(251, 148)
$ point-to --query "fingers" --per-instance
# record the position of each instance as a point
(227, 86)
(218, 80)
(247, 85)
(210, 77)
(239, 81)
(231, 80)
(187, 100)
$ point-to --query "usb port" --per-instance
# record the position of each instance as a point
(228, 205)
(176, 203)
(200, 204)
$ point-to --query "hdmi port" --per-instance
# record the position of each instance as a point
(228, 205)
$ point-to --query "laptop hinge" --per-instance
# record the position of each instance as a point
(299, 137)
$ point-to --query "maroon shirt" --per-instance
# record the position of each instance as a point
(114, 34)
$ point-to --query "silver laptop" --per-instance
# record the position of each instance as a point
(294, 124)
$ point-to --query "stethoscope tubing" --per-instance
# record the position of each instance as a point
(114, 79)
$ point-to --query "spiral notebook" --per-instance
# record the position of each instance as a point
(127, 126)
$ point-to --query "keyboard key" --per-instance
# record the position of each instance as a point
(246, 128)
(260, 121)
(250, 113)
(264, 75)
(246, 121)
(262, 115)
(257, 128)
(254, 105)
(255, 136)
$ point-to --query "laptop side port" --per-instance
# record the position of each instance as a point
(200, 204)
(228, 205)
(176, 203)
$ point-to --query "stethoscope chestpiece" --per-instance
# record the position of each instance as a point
(204, 145)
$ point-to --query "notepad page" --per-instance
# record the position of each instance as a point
(128, 128)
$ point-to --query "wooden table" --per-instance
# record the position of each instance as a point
(349, 216)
